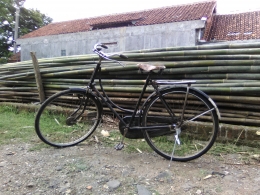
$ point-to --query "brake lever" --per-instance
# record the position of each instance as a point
(104, 46)
(105, 56)
(120, 55)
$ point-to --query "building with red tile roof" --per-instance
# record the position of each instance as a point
(177, 13)
(179, 25)
(233, 27)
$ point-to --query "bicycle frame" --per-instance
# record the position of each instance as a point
(91, 87)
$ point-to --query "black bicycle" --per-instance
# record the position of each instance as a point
(178, 122)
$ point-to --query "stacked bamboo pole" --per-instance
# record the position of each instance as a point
(230, 74)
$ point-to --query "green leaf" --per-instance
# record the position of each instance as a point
(29, 21)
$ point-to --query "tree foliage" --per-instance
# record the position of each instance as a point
(30, 20)
(6, 10)
(6, 17)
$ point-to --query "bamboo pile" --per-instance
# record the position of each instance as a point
(230, 74)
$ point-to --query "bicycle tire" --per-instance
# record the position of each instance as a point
(197, 135)
(57, 126)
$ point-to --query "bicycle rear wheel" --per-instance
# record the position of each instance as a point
(67, 118)
(196, 134)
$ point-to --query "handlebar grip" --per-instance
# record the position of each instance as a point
(104, 46)
(123, 56)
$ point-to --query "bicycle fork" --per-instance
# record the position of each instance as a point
(72, 119)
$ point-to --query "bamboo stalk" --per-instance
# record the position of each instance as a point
(38, 77)
(242, 99)
(18, 88)
(202, 47)
(201, 57)
(193, 52)
(230, 74)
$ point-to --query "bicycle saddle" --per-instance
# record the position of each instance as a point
(149, 67)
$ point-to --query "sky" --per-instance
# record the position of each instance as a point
(61, 10)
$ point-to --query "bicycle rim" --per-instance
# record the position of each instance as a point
(67, 118)
(197, 132)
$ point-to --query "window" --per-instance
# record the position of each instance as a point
(247, 33)
(114, 24)
(63, 52)
(111, 25)
(233, 33)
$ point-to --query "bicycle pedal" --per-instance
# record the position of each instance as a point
(119, 146)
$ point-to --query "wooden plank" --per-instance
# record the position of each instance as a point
(38, 77)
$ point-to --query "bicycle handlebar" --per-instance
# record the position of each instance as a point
(98, 50)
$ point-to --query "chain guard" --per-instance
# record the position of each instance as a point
(131, 134)
(135, 134)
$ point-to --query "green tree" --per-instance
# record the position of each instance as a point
(6, 18)
(6, 10)
(29, 21)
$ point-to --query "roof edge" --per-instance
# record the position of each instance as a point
(140, 11)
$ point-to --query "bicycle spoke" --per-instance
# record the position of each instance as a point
(199, 115)
(67, 118)
(196, 132)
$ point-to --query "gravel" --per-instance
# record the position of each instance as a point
(97, 169)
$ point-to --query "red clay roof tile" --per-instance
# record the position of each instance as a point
(241, 26)
(187, 12)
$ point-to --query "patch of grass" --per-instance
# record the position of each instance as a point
(246, 154)
(16, 124)
(134, 145)
(156, 193)
(218, 149)
(230, 148)
(38, 146)
(131, 145)
(79, 165)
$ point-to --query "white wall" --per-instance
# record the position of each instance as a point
(126, 39)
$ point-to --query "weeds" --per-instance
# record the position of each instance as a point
(230, 148)
(17, 125)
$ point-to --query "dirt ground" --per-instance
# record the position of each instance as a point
(98, 169)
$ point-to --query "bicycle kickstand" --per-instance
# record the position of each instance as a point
(177, 140)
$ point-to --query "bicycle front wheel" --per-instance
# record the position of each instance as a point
(198, 129)
(68, 118)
